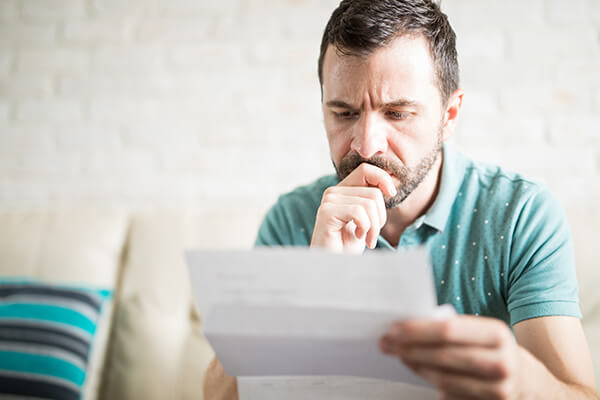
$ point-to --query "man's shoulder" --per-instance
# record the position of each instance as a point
(510, 203)
(499, 184)
(503, 199)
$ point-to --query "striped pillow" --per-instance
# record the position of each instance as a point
(46, 333)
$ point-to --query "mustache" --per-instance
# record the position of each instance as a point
(352, 160)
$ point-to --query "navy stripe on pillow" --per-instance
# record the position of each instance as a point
(31, 385)
(92, 299)
(18, 332)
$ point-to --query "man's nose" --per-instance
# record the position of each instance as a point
(369, 137)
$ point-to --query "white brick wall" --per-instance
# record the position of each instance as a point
(572, 12)
(52, 10)
(215, 104)
(4, 110)
(5, 63)
(8, 10)
(21, 34)
(50, 60)
(49, 110)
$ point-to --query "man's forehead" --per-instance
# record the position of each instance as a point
(396, 70)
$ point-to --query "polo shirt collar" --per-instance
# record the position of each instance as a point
(453, 171)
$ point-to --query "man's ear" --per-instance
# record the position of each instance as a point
(452, 113)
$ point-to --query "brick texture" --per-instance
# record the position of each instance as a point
(49, 110)
(52, 10)
(21, 34)
(177, 103)
(8, 10)
(5, 63)
(4, 111)
(51, 60)
(111, 9)
(568, 12)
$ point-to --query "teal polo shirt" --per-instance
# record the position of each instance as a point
(500, 244)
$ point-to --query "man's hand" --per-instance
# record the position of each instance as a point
(469, 357)
(352, 213)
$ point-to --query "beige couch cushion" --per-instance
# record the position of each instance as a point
(82, 248)
(157, 348)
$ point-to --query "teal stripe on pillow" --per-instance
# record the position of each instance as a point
(41, 365)
(48, 313)
(46, 333)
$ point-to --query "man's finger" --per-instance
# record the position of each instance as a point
(466, 329)
(369, 193)
(370, 207)
(338, 215)
(369, 175)
(482, 362)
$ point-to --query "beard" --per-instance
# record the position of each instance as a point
(409, 178)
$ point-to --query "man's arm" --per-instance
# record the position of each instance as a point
(560, 344)
(477, 357)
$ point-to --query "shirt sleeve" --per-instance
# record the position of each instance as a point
(274, 229)
(289, 222)
(542, 279)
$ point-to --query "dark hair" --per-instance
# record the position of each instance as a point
(358, 27)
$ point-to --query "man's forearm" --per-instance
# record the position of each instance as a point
(574, 392)
(550, 387)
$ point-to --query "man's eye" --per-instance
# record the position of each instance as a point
(397, 115)
(346, 114)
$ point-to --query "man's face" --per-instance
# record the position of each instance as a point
(384, 109)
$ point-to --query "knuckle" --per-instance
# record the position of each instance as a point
(447, 330)
(326, 208)
(327, 195)
(360, 213)
(500, 368)
(377, 195)
(364, 166)
(503, 336)
(372, 206)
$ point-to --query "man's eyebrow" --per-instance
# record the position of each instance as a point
(402, 103)
(339, 104)
(395, 103)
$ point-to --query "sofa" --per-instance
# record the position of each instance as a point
(149, 342)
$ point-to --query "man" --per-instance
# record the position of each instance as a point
(500, 245)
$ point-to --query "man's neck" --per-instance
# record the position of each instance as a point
(415, 205)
